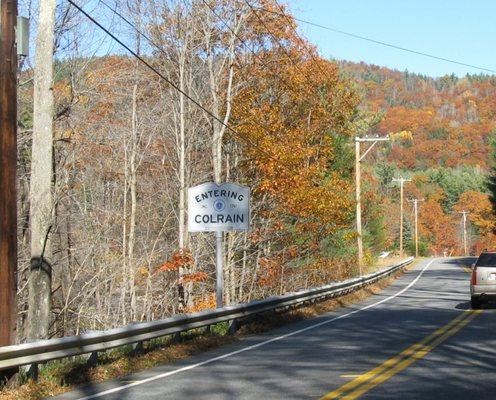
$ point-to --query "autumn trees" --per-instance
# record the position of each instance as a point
(491, 182)
(252, 102)
(451, 122)
(293, 120)
(127, 145)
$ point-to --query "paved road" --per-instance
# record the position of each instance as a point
(416, 340)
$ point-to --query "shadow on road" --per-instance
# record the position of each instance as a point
(459, 261)
(463, 306)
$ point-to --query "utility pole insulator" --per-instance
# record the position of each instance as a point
(22, 36)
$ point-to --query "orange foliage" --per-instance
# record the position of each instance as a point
(194, 277)
(480, 216)
(437, 228)
(450, 117)
(270, 271)
(205, 303)
(180, 258)
(298, 110)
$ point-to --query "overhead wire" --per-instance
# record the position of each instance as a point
(269, 31)
(139, 31)
(174, 86)
(379, 42)
(310, 53)
(246, 46)
(283, 48)
(242, 41)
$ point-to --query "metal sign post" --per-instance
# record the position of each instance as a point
(219, 268)
(218, 208)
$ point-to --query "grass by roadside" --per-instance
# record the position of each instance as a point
(61, 376)
(382, 263)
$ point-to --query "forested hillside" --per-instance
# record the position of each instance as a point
(451, 118)
(448, 126)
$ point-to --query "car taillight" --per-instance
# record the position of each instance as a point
(474, 276)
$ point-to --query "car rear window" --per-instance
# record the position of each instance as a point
(486, 260)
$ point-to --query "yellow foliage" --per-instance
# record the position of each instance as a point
(297, 147)
(205, 303)
(401, 136)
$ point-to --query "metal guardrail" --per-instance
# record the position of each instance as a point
(52, 349)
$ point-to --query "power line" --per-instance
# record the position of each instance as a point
(272, 34)
(379, 41)
(310, 53)
(173, 85)
(283, 48)
(133, 26)
(252, 51)
(160, 49)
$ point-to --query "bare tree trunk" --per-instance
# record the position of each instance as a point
(122, 303)
(41, 196)
(184, 288)
(182, 159)
(218, 128)
(132, 215)
(221, 105)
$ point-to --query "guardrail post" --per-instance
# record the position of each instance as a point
(137, 348)
(92, 359)
(233, 327)
(207, 330)
(31, 371)
(176, 338)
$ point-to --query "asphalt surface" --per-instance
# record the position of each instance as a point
(316, 357)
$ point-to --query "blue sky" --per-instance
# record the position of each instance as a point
(461, 30)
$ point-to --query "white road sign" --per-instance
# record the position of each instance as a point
(218, 208)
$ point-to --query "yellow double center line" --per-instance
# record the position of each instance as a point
(398, 363)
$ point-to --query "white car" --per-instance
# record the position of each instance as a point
(483, 281)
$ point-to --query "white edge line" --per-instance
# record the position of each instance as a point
(254, 346)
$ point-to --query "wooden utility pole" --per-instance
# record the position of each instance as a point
(8, 161)
(358, 204)
(415, 209)
(464, 222)
(402, 181)
(358, 194)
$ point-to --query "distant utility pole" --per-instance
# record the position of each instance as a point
(8, 160)
(415, 209)
(401, 181)
(464, 222)
(358, 159)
